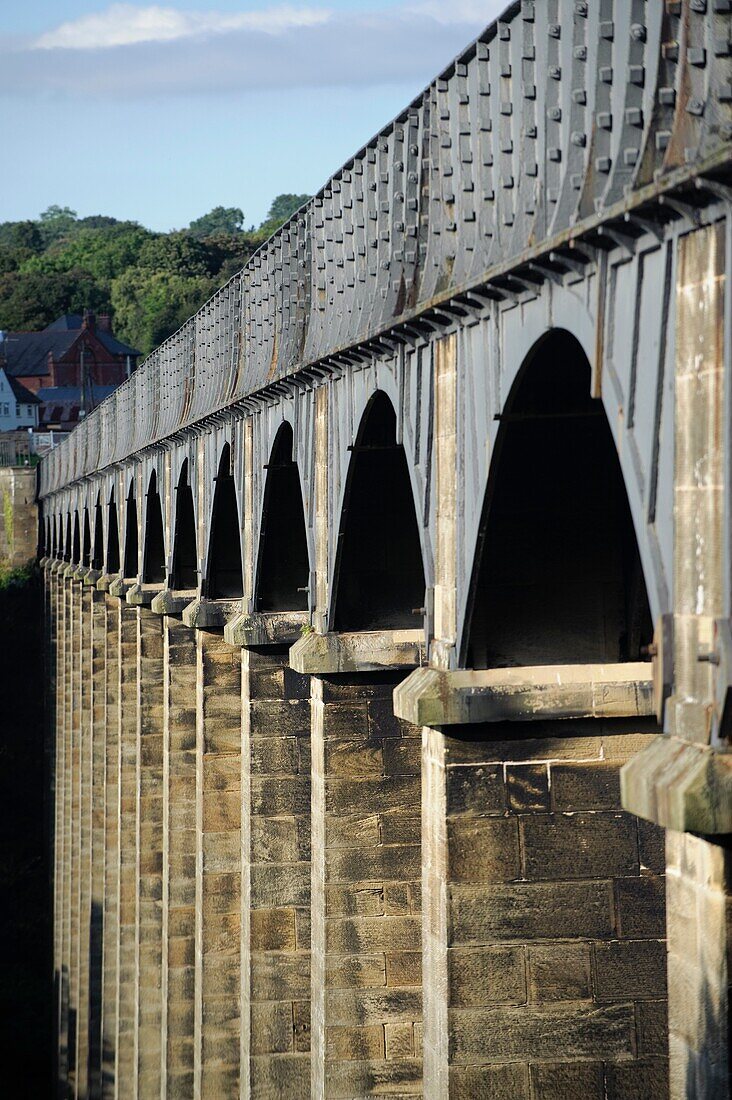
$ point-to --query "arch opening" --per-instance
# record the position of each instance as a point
(67, 538)
(557, 576)
(86, 545)
(131, 538)
(113, 564)
(284, 565)
(224, 575)
(98, 553)
(76, 552)
(153, 567)
(185, 553)
(379, 581)
(54, 538)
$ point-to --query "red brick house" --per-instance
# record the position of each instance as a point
(71, 365)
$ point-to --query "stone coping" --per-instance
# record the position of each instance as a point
(91, 577)
(120, 586)
(361, 651)
(210, 614)
(430, 697)
(142, 595)
(172, 602)
(680, 785)
(105, 581)
(263, 628)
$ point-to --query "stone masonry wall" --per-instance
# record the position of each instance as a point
(545, 976)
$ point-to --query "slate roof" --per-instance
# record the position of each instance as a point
(20, 392)
(27, 352)
(57, 395)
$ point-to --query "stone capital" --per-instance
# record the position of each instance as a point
(362, 651)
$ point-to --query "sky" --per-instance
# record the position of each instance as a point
(159, 112)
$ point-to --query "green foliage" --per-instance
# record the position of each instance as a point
(149, 305)
(31, 300)
(222, 219)
(15, 577)
(153, 281)
(284, 206)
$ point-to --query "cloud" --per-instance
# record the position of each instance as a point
(127, 25)
(129, 51)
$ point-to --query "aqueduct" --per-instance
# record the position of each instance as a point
(388, 613)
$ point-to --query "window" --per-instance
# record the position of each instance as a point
(17, 408)
(6, 408)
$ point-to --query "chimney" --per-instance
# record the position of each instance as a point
(104, 322)
(88, 322)
(52, 380)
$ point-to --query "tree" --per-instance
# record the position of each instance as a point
(284, 206)
(151, 305)
(31, 300)
(222, 219)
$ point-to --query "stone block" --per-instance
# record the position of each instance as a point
(271, 1027)
(359, 971)
(279, 976)
(568, 1081)
(534, 911)
(364, 900)
(558, 1031)
(641, 906)
(647, 1077)
(403, 968)
(399, 1041)
(479, 977)
(560, 972)
(499, 1082)
(483, 850)
(589, 786)
(392, 861)
(354, 1043)
(272, 930)
(528, 787)
(635, 969)
(280, 885)
(275, 756)
(366, 935)
(348, 1079)
(581, 845)
(273, 840)
(363, 1007)
(478, 790)
(286, 1077)
(652, 1025)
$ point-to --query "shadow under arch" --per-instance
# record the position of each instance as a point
(185, 552)
(67, 538)
(86, 544)
(224, 578)
(76, 551)
(54, 537)
(379, 579)
(557, 577)
(131, 537)
(153, 557)
(283, 565)
(97, 562)
(113, 563)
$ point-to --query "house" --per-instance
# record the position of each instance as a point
(70, 366)
(18, 406)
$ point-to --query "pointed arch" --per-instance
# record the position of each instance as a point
(86, 545)
(153, 559)
(67, 538)
(131, 562)
(379, 577)
(224, 579)
(76, 552)
(185, 544)
(113, 562)
(98, 551)
(557, 577)
(283, 566)
(54, 536)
